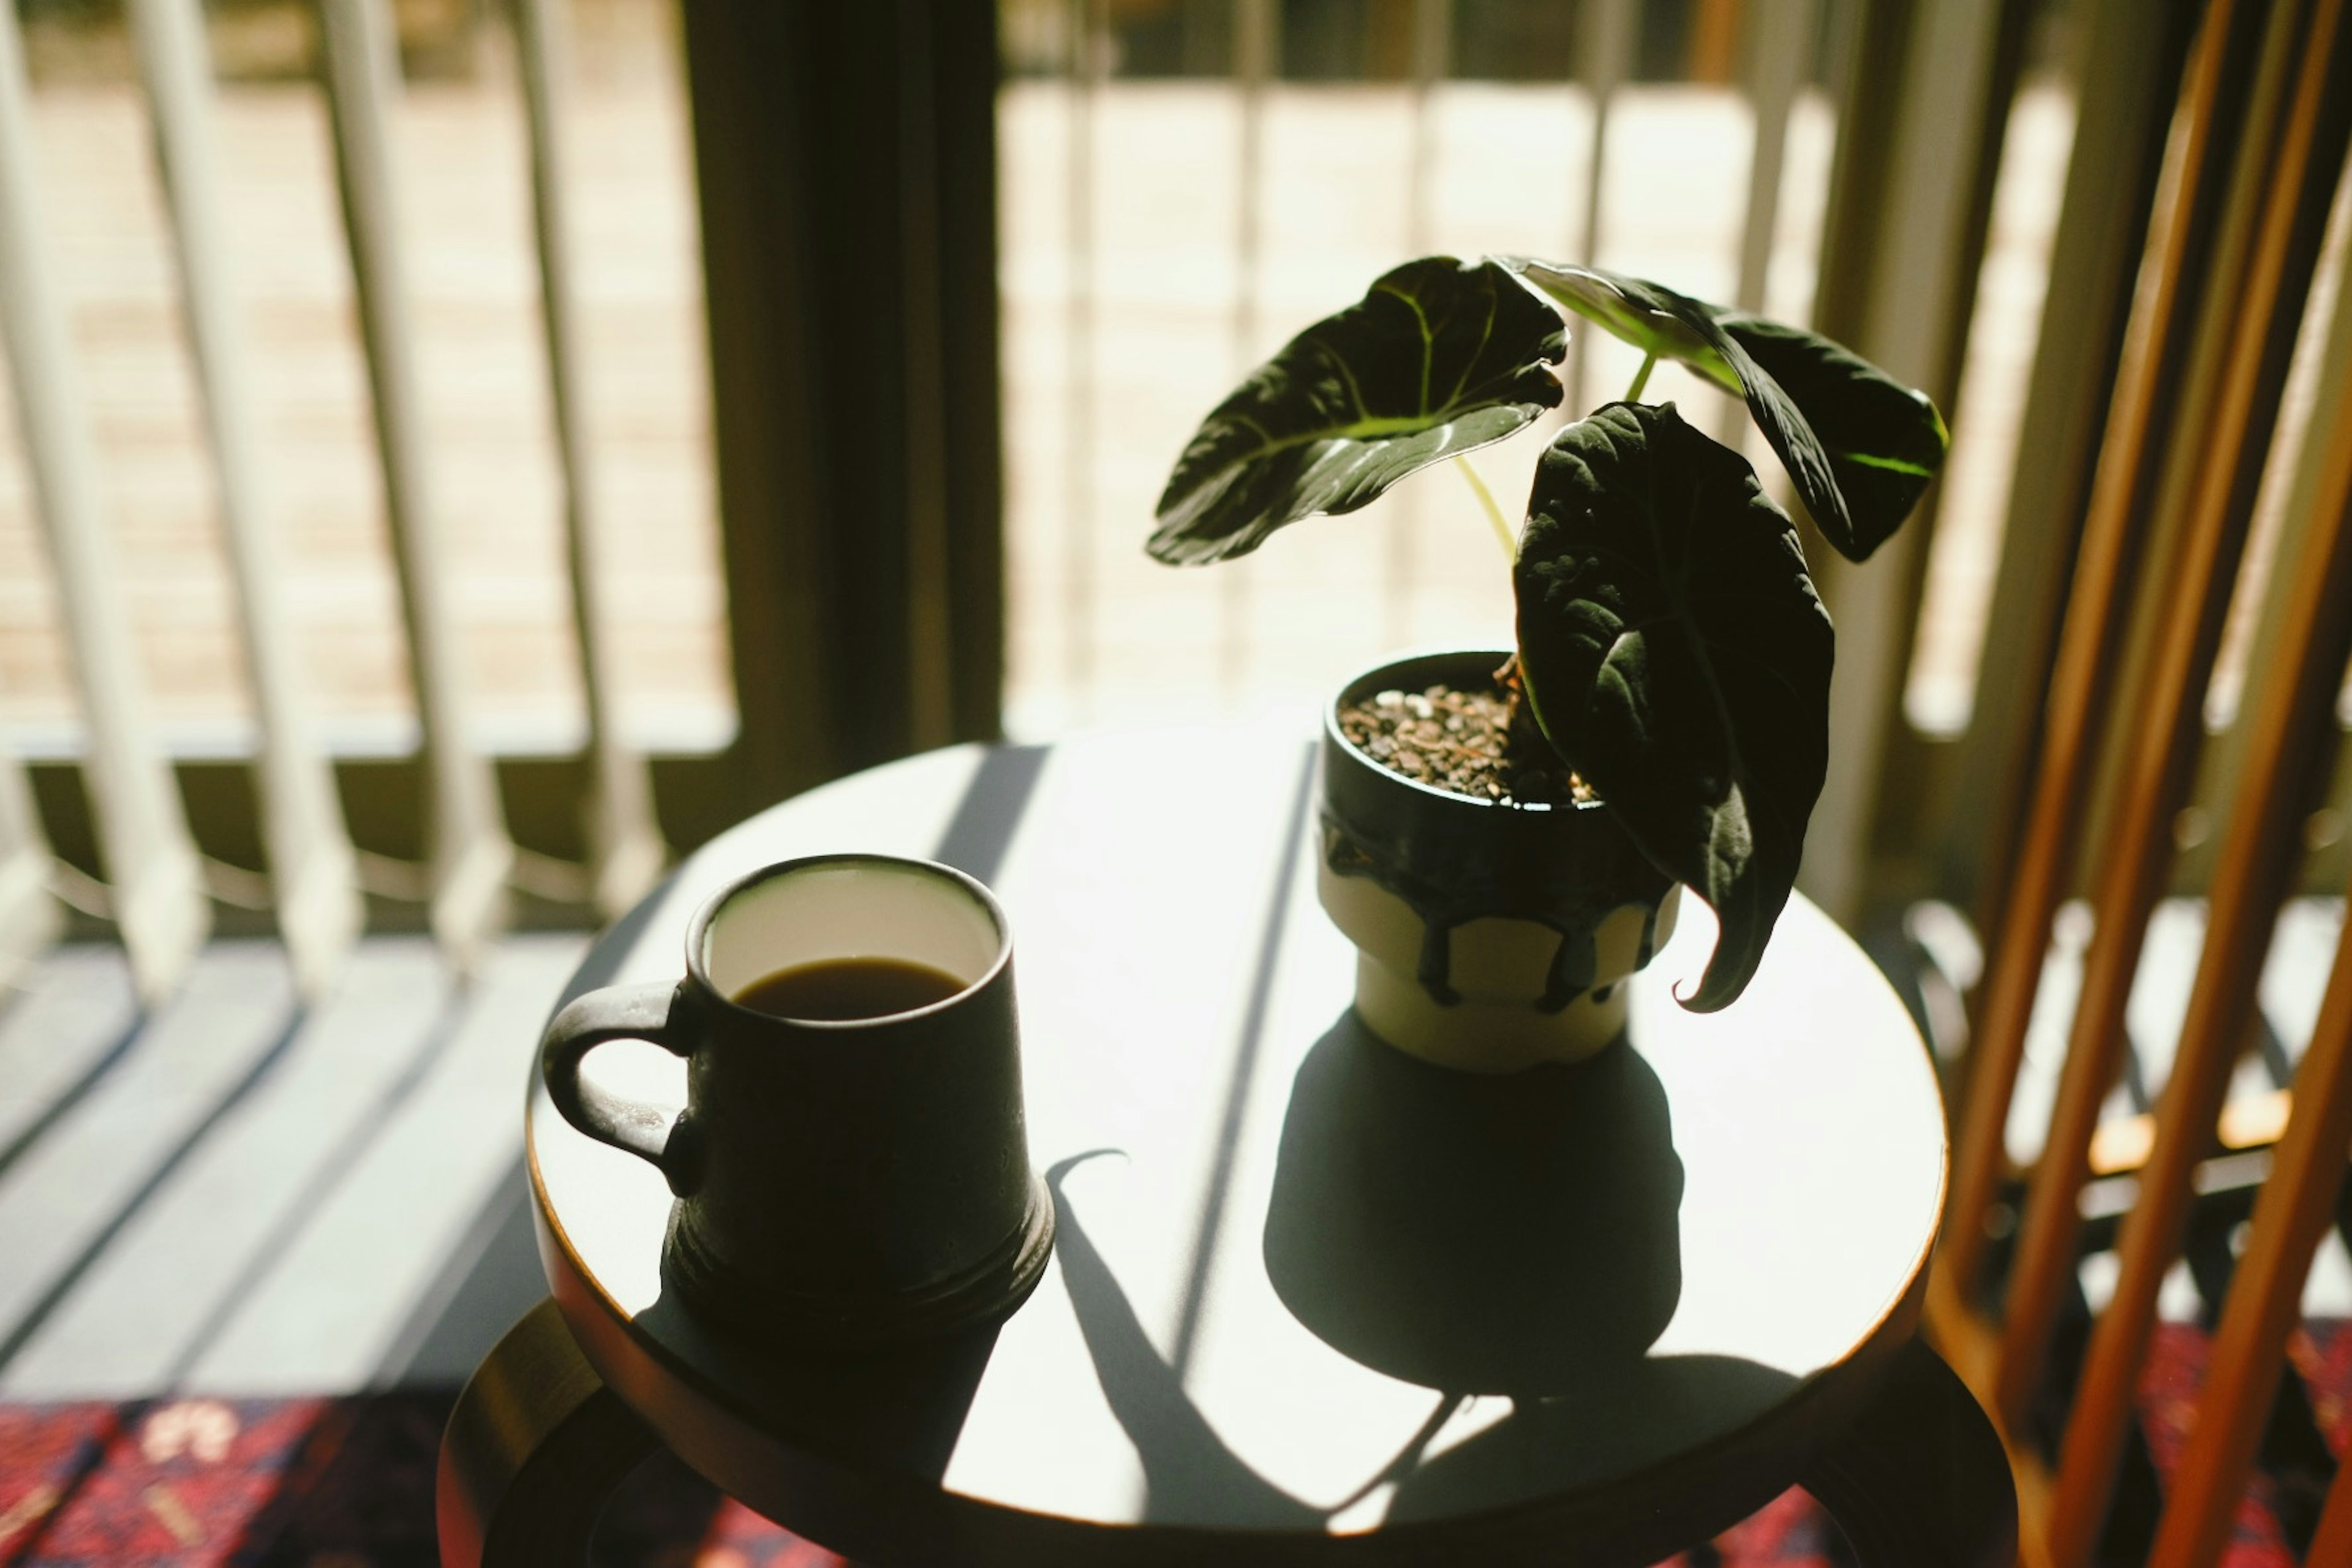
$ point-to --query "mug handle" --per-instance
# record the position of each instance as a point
(659, 1014)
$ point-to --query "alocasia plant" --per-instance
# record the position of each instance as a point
(1671, 645)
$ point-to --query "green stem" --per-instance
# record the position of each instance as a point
(1641, 380)
(1494, 513)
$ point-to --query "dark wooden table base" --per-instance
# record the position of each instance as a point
(535, 1446)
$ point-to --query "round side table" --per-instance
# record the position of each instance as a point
(1311, 1300)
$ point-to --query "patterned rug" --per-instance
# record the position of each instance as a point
(348, 1483)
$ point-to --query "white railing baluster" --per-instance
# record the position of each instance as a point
(157, 895)
(930, 659)
(1257, 57)
(1432, 40)
(30, 917)
(1086, 47)
(1921, 275)
(471, 854)
(315, 888)
(1782, 48)
(1609, 33)
(1432, 54)
(624, 847)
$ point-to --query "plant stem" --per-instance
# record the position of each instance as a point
(1642, 378)
(1486, 501)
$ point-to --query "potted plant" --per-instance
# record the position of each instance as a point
(1662, 719)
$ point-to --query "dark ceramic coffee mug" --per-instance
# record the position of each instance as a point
(843, 1179)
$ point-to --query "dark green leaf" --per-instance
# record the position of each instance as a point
(1439, 358)
(1677, 656)
(1859, 445)
(1883, 440)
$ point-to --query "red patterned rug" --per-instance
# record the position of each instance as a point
(348, 1483)
(313, 1483)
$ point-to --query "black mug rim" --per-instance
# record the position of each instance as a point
(699, 929)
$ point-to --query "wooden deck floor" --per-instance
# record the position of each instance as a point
(235, 1192)
(237, 1196)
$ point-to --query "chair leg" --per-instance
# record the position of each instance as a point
(535, 1446)
(1920, 1480)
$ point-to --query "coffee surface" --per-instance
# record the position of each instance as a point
(833, 989)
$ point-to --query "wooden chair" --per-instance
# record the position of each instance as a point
(2257, 146)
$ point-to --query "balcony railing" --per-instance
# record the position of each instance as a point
(326, 400)
(329, 410)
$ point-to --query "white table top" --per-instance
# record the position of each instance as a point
(1184, 1002)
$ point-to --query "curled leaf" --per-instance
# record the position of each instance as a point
(1676, 654)
(1439, 357)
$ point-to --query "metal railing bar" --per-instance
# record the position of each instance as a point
(159, 899)
(29, 919)
(389, 876)
(1865, 61)
(557, 881)
(2128, 80)
(1781, 47)
(930, 680)
(319, 910)
(470, 851)
(1258, 59)
(1608, 34)
(1432, 24)
(625, 852)
(241, 888)
(1433, 41)
(1088, 43)
(80, 891)
(1959, 75)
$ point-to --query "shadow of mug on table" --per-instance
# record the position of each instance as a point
(840, 1179)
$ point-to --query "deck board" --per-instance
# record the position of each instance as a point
(89, 1171)
(71, 1013)
(324, 1316)
(173, 1273)
(323, 1225)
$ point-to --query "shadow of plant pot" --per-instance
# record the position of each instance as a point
(1476, 1234)
(1490, 935)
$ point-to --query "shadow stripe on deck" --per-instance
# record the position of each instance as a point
(71, 1026)
(153, 1284)
(31, 1322)
(161, 1270)
(105, 1156)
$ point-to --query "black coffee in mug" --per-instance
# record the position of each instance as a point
(852, 1164)
(837, 988)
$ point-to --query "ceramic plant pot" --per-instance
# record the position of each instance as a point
(1490, 936)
